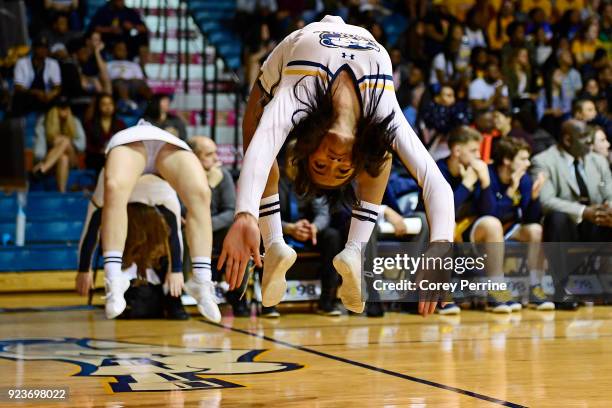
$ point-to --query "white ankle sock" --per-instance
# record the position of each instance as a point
(363, 221)
(270, 223)
(535, 277)
(201, 268)
(112, 264)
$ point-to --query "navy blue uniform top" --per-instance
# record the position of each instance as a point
(479, 202)
(519, 209)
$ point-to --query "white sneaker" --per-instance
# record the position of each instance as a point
(204, 294)
(348, 265)
(115, 300)
(277, 261)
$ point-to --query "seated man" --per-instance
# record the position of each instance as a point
(128, 79)
(575, 198)
(37, 80)
(517, 206)
(305, 226)
(222, 205)
(469, 178)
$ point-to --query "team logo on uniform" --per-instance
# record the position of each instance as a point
(145, 367)
(342, 40)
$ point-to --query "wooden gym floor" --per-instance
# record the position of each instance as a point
(536, 359)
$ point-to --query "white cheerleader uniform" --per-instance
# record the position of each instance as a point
(323, 49)
(152, 137)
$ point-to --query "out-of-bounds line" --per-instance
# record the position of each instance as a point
(373, 368)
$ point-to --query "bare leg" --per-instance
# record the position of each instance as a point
(60, 147)
(372, 189)
(124, 166)
(490, 231)
(185, 174)
(61, 172)
(348, 262)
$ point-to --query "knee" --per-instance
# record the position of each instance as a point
(113, 184)
(534, 232)
(490, 225)
(64, 160)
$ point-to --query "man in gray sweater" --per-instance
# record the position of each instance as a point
(222, 203)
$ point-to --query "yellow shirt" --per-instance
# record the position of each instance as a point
(586, 50)
(494, 42)
(459, 8)
(528, 5)
(563, 5)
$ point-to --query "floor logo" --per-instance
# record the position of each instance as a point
(145, 367)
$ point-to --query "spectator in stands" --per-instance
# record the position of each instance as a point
(518, 208)
(158, 113)
(497, 27)
(469, 178)
(489, 92)
(518, 39)
(99, 130)
(484, 122)
(306, 227)
(401, 70)
(118, 23)
(414, 88)
(60, 32)
(563, 6)
(445, 67)
(37, 80)
(586, 43)
(503, 123)
(413, 45)
(222, 206)
(601, 145)
(59, 138)
(440, 116)
(85, 74)
(562, 87)
(474, 34)
(68, 8)
(586, 111)
(575, 197)
(519, 77)
(437, 26)
(544, 6)
(542, 47)
(128, 80)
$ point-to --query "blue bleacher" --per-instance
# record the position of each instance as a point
(53, 229)
(212, 17)
(38, 257)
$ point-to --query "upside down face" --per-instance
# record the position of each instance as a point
(331, 164)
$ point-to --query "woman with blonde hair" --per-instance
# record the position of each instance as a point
(59, 137)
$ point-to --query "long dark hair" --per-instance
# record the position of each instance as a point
(116, 126)
(373, 141)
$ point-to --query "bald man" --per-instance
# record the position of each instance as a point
(222, 203)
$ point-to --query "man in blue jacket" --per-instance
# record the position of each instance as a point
(475, 208)
(518, 208)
